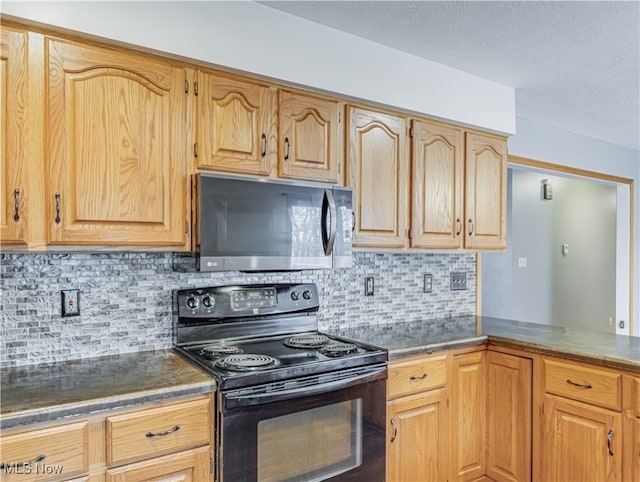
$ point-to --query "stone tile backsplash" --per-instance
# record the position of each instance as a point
(126, 298)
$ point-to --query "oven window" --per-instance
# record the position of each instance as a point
(311, 445)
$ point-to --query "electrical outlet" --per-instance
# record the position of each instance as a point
(428, 283)
(70, 302)
(368, 286)
(458, 281)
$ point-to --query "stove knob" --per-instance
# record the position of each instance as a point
(295, 295)
(209, 301)
(306, 294)
(192, 302)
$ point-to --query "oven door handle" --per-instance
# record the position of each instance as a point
(244, 399)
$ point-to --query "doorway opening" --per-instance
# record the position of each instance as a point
(568, 258)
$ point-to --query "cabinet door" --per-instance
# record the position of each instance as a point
(378, 174)
(189, 466)
(116, 147)
(236, 125)
(485, 193)
(417, 434)
(310, 137)
(468, 414)
(508, 417)
(438, 182)
(13, 129)
(581, 442)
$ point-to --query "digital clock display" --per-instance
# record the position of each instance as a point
(253, 294)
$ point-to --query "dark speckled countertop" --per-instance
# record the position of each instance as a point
(43, 393)
(416, 337)
(617, 351)
(429, 336)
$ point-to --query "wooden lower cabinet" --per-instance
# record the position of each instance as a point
(509, 380)
(168, 441)
(581, 442)
(468, 416)
(417, 437)
(188, 466)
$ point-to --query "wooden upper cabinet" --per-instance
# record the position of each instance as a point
(378, 174)
(14, 194)
(117, 154)
(310, 137)
(438, 185)
(486, 191)
(236, 125)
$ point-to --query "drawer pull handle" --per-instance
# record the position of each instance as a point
(421, 377)
(609, 437)
(586, 385)
(162, 434)
(395, 430)
(16, 195)
(39, 458)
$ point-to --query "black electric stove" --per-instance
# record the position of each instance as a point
(246, 335)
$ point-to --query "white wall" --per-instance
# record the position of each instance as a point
(254, 38)
(548, 144)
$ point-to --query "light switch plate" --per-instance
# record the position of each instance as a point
(458, 281)
(70, 302)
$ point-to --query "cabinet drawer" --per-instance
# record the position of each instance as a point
(416, 376)
(591, 385)
(155, 431)
(54, 453)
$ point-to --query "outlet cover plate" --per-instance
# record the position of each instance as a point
(70, 302)
(368, 286)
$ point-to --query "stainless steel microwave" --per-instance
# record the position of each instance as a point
(244, 224)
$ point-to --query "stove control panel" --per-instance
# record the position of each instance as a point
(243, 298)
(220, 302)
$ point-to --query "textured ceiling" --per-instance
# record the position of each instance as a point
(574, 65)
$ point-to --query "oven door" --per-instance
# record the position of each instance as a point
(325, 427)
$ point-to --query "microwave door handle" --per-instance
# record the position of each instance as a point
(328, 207)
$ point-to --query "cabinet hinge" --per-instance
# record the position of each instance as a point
(411, 131)
(212, 466)
(195, 88)
(186, 86)
(195, 149)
